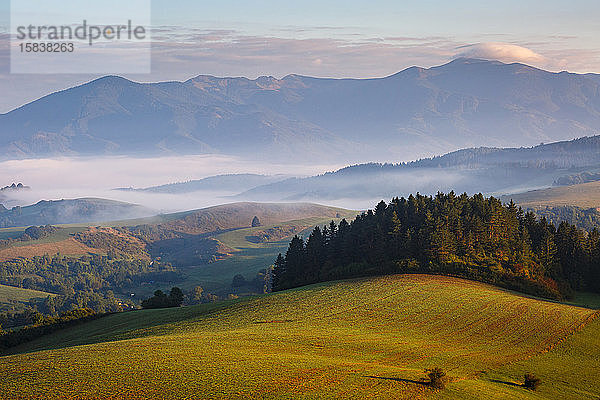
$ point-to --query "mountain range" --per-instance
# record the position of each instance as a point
(415, 113)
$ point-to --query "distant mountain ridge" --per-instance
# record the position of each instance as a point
(416, 112)
(486, 170)
(219, 183)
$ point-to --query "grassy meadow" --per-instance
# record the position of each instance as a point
(10, 295)
(369, 338)
(585, 195)
(247, 257)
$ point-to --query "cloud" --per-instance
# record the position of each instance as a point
(504, 52)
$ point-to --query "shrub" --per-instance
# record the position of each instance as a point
(531, 381)
(238, 281)
(161, 300)
(437, 377)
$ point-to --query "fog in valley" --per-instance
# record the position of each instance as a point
(359, 187)
(69, 178)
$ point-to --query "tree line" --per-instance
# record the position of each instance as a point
(45, 325)
(587, 219)
(473, 237)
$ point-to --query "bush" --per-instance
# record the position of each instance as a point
(531, 381)
(238, 281)
(161, 300)
(437, 378)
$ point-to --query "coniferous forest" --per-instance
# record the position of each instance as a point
(473, 237)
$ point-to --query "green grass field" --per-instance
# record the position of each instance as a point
(14, 299)
(357, 339)
(248, 257)
(9, 293)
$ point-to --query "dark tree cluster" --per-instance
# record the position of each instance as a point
(259, 284)
(162, 300)
(583, 218)
(52, 306)
(473, 237)
(31, 233)
(45, 325)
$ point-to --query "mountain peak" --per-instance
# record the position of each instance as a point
(462, 61)
(111, 80)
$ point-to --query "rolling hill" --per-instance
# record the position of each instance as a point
(416, 112)
(9, 295)
(233, 216)
(585, 195)
(368, 338)
(85, 210)
(206, 247)
(189, 238)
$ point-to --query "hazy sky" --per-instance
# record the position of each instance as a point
(341, 39)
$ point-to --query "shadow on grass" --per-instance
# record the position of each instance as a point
(424, 383)
(506, 383)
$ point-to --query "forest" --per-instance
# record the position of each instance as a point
(472, 237)
(95, 282)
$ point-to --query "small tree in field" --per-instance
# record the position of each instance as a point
(531, 381)
(437, 377)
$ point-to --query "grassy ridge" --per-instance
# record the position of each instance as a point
(355, 339)
(585, 195)
(9, 293)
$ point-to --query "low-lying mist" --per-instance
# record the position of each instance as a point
(68, 178)
(358, 188)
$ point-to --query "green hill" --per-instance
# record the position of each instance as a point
(9, 295)
(369, 338)
(585, 195)
(84, 210)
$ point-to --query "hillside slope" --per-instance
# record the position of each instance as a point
(354, 339)
(10, 296)
(85, 210)
(233, 183)
(234, 216)
(418, 111)
(473, 170)
(585, 195)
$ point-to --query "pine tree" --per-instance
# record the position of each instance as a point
(278, 273)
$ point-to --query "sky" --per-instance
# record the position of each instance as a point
(349, 38)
